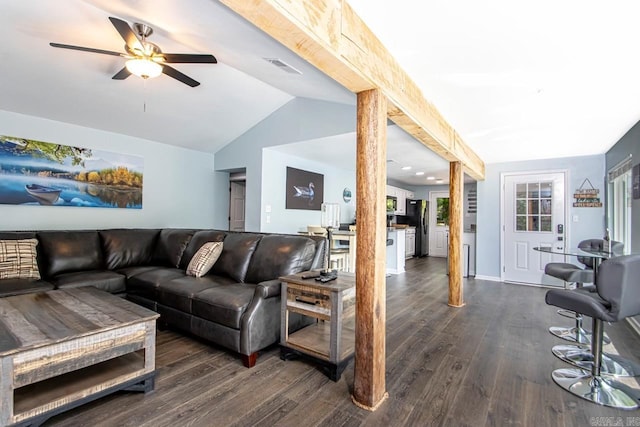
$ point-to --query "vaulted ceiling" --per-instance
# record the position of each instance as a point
(540, 80)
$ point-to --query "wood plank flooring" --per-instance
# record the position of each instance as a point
(486, 364)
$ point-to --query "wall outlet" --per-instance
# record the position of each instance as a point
(575, 218)
(268, 219)
(267, 208)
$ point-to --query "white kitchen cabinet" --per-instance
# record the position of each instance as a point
(401, 196)
(410, 243)
(402, 202)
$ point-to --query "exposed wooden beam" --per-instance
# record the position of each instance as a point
(371, 176)
(332, 37)
(456, 218)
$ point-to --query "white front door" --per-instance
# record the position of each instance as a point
(438, 223)
(534, 215)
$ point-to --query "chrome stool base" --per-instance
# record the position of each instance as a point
(603, 391)
(574, 334)
(581, 357)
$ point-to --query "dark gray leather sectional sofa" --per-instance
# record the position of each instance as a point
(236, 305)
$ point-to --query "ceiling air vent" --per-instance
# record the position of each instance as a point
(283, 65)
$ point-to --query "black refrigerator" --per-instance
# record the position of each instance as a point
(417, 215)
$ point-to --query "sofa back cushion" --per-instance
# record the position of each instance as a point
(18, 235)
(200, 238)
(279, 255)
(65, 251)
(128, 247)
(170, 246)
(236, 255)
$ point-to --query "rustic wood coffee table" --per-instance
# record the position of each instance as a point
(60, 349)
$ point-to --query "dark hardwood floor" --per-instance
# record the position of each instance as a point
(486, 364)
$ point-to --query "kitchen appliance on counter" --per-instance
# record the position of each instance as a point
(418, 217)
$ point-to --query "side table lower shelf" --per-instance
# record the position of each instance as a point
(316, 340)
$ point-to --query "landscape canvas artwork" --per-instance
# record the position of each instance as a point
(44, 173)
(305, 190)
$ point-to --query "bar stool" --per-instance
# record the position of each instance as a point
(616, 298)
(575, 274)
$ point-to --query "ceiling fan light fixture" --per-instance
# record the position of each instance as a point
(145, 68)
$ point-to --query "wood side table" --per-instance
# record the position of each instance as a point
(329, 341)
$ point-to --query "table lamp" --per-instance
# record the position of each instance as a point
(330, 219)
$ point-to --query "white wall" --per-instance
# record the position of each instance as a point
(274, 167)
(178, 183)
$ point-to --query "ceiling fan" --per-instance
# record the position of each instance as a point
(145, 59)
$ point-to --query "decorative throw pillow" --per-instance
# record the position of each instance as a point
(204, 259)
(18, 259)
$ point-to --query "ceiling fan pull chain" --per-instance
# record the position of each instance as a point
(144, 96)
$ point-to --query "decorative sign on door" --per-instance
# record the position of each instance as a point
(587, 196)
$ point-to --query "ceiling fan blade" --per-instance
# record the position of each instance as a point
(175, 58)
(126, 33)
(172, 72)
(122, 74)
(85, 49)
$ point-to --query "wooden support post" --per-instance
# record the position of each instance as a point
(371, 175)
(456, 208)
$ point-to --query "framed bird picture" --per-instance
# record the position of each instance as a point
(305, 190)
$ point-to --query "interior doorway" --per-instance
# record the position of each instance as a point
(237, 201)
(438, 223)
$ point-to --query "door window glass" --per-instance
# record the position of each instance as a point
(442, 211)
(533, 206)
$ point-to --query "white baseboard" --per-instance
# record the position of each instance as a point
(490, 278)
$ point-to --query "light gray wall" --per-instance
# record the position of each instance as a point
(629, 144)
(274, 191)
(591, 220)
(301, 119)
(177, 188)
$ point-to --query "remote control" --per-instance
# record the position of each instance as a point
(325, 279)
(310, 274)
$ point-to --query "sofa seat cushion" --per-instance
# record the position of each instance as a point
(108, 281)
(9, 287)
(146, 283)
(224, 304)
(69, 251)
(129, 272)
(128, 247)
(178, 293)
